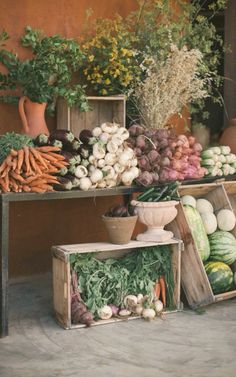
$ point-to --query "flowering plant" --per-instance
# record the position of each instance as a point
(111, 61)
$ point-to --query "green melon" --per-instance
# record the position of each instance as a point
(198, 231)
(222, 247)
(220, 276)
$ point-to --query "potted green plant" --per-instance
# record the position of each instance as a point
(38, 81)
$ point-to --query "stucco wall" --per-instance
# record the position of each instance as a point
(35, 226)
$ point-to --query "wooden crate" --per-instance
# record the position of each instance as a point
(62, 274)
(194, 279)
(103, 109)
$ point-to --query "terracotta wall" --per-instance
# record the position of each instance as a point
(35, 226)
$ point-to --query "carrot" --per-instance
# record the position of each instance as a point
(57, 156)
(20, 160)
(60, 164)
(17, 177)
(14, 163)
(3, 185)
(26, 160)
(49, 176)
(39, 190)
(9, 160)
(6, 171)
(163, 290)
(13, 153)
(52, 169)
(37, 156)
(6, 181)
(47, 187)
(26, 188)
(48, 157)
(31, 178)
(157, 289)
(37, 183)
(13, 185)
(48, 148)
(3, 166)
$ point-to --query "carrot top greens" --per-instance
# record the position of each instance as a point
(12, 140)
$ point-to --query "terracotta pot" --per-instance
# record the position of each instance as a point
(32, 115)
(155, 216)
(120, 229)
(228, 136)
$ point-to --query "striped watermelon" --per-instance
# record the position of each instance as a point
(220, 276)
(222, 247)
(198, 231)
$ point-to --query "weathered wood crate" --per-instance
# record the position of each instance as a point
(62, 274)
(194, 279)
(103, 109)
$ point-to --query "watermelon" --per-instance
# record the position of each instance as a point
(198, 231)
(222, 247)
(220, 276)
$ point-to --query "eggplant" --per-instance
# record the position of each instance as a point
(71, 158)
(65, 136)
(42, 140)
(118, 211)
(85, 151)
(85, 136)
(64, 184)
(56, 143)
(74, 180)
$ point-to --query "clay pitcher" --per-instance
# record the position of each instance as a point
(228, 136)
(32, 115)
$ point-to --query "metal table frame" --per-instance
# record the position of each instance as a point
(6, 199)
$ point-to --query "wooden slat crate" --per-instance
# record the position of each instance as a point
(194, 279)
(62, 274)
(103, 109)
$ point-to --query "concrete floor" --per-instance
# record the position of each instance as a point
(185, 344)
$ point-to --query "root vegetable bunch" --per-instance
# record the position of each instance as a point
(31, 169)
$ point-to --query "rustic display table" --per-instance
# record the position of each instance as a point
(6, 199)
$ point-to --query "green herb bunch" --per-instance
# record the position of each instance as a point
(109, 281)
(45, 76)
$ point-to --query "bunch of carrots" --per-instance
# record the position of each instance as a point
(31, 169)
(160, 290)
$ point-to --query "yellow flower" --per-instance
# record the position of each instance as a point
(104, 91)
(107, 81)
(91, 58)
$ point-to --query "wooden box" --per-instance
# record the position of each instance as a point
(62, 274)
(103, 109)
(194, 279)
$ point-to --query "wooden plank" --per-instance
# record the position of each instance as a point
(103, 109)
(225, 296)
(193, 276)
(106, 246)
(176, 265)
(61, 291)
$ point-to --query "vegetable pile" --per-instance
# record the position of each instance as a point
(100, 158)
(126, 286)
(163, 156)
(160, 194)
(218, 161)
(27, 168)
(214, 241)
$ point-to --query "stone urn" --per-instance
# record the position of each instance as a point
(155, 215)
